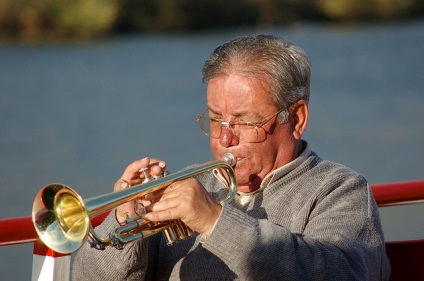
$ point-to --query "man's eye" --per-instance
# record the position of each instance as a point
(247, 124)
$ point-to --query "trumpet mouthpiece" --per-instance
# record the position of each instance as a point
(229, 158)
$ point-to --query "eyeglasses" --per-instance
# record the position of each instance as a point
(243, 130)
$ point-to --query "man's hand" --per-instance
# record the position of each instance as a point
(188, 201)
(134, 175)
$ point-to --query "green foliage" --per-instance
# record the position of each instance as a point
(47, 19)
(348, 10)
(83, 17)
(35, 19)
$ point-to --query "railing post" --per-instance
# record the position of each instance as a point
(48, 265)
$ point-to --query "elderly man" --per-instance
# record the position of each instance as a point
(295, 215)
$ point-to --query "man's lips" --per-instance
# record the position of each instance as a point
(239, 159)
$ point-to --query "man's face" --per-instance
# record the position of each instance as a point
(244, 98)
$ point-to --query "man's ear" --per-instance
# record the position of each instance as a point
(299, 113)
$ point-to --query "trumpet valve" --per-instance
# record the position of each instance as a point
(147, 177)
(176, 232)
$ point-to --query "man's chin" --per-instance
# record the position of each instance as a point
(248, 187)
(243, 188)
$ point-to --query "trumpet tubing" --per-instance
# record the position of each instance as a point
(62, 218)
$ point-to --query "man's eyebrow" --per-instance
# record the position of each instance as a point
(213, 111)
(244, 113)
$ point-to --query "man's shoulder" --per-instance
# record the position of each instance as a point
(319, 174)
(330, 169)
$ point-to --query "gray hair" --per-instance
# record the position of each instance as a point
(286, 66)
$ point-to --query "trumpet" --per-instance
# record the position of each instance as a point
(62, 218)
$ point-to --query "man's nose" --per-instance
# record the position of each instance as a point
(227, 137)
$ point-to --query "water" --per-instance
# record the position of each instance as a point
(78, 113)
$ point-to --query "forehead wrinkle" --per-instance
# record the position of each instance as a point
(228, 99)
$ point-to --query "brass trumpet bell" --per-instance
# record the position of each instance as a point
(60, 218)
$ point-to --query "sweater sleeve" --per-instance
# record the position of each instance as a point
(110, 264)
(336, 235)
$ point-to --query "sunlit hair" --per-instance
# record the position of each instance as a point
(283, 67)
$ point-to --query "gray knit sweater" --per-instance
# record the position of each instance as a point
(318, 222)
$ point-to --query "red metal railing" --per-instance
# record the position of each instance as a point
(17, 231)
(21, 230)
(405, 256)
(398, 193)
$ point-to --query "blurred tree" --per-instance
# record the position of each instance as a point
(182, 15)
(82, 18)
(38, 19)
(35, 19)
(357, 10)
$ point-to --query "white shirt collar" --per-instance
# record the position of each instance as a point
(276, 174)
